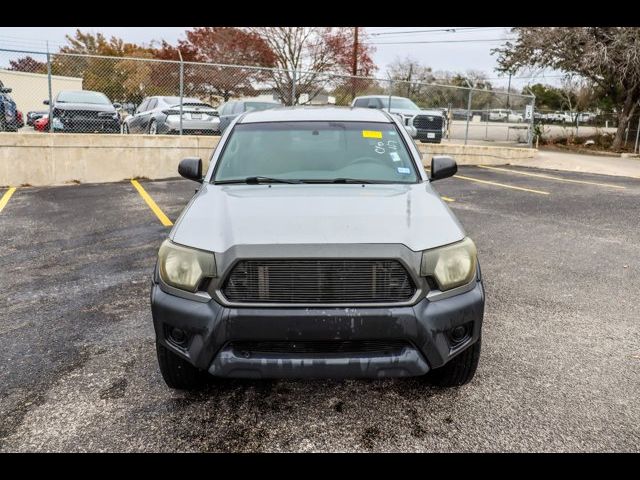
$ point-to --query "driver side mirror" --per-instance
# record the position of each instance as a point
(442, 167)
(191, 169)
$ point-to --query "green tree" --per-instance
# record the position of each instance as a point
(606, 56)
(547, 97)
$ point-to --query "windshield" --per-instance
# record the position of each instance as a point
(251, 106)
(96, 98)
(400, 103)
(316, 151)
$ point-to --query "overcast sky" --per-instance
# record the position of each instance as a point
(464, 48)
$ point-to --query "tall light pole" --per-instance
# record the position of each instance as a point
(509, 90)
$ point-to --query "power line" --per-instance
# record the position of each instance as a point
(435, 30)
(443, 41)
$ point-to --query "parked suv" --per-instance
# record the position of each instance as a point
(8, 111)
(316, 246)
(424, 125)
(84, 111)
(161, 115)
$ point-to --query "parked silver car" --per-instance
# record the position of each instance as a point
(161, 115)
(316, 246)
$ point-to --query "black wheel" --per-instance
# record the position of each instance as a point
(3, 122)
(177, 372)
(459, 370)
(153, 128)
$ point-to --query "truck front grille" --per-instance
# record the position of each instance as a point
(428, 122)
(321, 281)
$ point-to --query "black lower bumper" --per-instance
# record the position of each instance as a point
(211, 327)
(429, 136)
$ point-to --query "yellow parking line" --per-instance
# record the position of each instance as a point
(152, 205)
(540, 192)
(550, 177)
(5, 198)
(447, 199)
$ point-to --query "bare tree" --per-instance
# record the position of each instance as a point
(315, 54)
(409, 77)
(299, 49)
(607, 56)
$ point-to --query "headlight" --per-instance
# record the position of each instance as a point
(452, 265)
(184, 267)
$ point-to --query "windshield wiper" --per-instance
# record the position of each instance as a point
(258, 180)
(338, 180)
(349, 180)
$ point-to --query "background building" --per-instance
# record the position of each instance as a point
(30, 89)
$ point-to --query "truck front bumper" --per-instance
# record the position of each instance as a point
(212, 330)
(429, 136)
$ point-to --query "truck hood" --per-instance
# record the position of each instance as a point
(222, 216)
(402, 111)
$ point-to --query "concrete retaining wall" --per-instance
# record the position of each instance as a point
(54, 159)
(476, 154)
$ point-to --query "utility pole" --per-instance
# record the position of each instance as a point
(354, 68)
(509, 91)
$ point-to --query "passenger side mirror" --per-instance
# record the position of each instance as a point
(191, 169)
(442, 167)
(46, 102)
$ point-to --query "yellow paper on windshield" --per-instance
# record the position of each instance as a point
(371, 134)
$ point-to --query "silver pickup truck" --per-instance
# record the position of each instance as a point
(316, 246)
(425, 125)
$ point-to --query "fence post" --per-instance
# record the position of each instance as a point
(293, 87)
(50, 92)
(181, 87)
(466, 132)
(635, 149)
(531, 123)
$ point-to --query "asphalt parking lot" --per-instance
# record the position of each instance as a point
(559, 371)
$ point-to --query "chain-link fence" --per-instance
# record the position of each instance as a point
(594, 129)
(155, 96)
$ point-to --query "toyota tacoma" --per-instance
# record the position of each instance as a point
(316, 246)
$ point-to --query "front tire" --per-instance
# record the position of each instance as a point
(177, 372)
(459, 371)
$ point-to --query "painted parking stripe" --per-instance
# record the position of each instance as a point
(513, 187)
(551, 177)
(447, 199)
(5, 198)
(152, 205)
